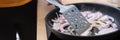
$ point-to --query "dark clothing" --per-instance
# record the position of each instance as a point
(20, 19)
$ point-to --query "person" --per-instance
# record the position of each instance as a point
(12, 3)
(18, 18)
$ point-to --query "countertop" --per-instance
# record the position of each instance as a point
(43, 9)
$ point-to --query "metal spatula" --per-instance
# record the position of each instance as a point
(73, 16)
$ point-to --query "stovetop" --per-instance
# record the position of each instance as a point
(53, 37)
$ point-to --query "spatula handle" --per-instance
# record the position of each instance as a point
(56, 3)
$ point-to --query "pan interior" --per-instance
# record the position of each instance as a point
(107, 10)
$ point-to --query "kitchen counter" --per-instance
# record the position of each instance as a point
(43, 9)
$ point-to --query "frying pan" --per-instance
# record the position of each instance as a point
(105, 9)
